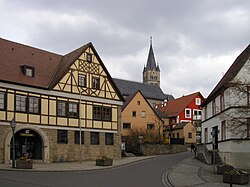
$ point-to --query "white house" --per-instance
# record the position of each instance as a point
(226, 114)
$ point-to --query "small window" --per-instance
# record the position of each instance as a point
(77, 137)
(82, 80)
(2, 101)
(197, 112)
(109, 138)
(89, 57)
(126, 125)
(189, 135)
(34, 105)
(28, 71)
(97, 115)
(150, 126)
(21, 103)
(94, 138)
(134, 113)
(178, 135)
(73, 110)
(96, 83)
(138, 103)
(213, 107)
(143, 114)
(61, 108)
(62, 136)
(198, 101)
(188, 113)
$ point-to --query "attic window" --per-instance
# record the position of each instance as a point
(28, 71)
(89, 57)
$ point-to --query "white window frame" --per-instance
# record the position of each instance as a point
(198, 101)
(190, 112)
(143, 114)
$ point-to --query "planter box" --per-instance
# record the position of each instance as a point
(223, 168)
(102, 162)
(24, 164)
(236, 178)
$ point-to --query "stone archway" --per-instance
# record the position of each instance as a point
(44, 138)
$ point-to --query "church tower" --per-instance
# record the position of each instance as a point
(151, 73)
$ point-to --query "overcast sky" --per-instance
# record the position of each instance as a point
(194, 41)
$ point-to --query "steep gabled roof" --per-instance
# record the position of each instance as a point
(176, 106)
(180, 125)
(151, 64)
(65, 63)
(148, 90)
(230, 74)
(14, 55)
(130, 98)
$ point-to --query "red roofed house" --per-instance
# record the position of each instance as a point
(65, 107)
(184, 109)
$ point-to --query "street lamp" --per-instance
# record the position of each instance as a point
(13, 126)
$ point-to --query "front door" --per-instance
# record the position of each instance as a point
(27, 143)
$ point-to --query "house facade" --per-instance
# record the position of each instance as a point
(225, 121)
(139, 116)
(66, 107)
(184, 109)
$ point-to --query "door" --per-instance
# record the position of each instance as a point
(27, 143)
(215, 137)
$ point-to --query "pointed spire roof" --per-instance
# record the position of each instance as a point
(151, 64)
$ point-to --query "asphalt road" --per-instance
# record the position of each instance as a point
(146, 173)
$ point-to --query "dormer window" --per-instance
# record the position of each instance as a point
(28, 71)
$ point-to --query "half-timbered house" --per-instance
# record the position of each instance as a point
(66, 107)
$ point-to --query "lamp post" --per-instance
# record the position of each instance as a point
(13, 126)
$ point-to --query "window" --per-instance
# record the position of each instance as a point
(21, 103)
(2, 101)
(94, 138)
(77, 137)
(109, 138)
(150, 126)
(106, 113)
(34, 105)
(62, 136)
(102, 113)
(138, 102)
(205, 136)
(198, 101)
(96, 83)
(73, 110)
(197, 112)
(143, 114)
(189, 135)
(97, 115)
(213, 107)
(134, 113)
(188, 113)
(222, 102)
(89, 57)
(126, 125)
(223, 130)
(178, 135)
(61, 108)
(82, 80)
(28, 71)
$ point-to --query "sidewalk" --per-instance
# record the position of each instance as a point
(192, 172)
(75, 166)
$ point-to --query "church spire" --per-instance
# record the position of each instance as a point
(151, 64)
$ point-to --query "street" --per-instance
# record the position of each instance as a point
(146, 173)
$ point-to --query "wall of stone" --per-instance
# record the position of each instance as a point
(161, 149)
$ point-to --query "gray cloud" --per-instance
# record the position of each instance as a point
(193, 40)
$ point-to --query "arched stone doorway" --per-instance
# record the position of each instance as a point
(27, 143)
(28, 137)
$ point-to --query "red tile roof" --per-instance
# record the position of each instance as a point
(176, 106)
(14, 55)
